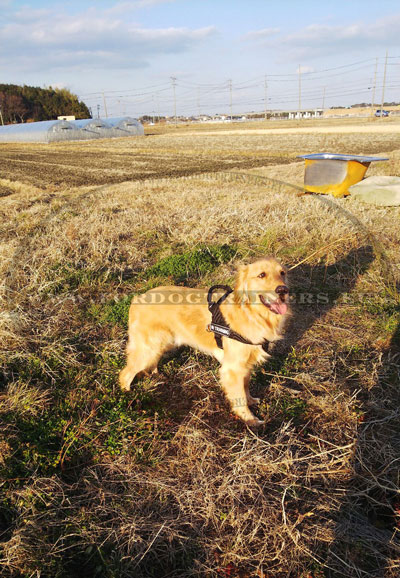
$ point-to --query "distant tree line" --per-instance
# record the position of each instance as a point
(31, 103)
(368, 104)
(151, 118)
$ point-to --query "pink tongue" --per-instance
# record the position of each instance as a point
(279, 307)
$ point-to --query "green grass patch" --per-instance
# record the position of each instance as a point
(295, 252)
(291, 363)
(115, 312)
(68, 277)
(81, 430)
(384, 311)
(194, 264)
(290, 408)
(81, 424)
(382, 306)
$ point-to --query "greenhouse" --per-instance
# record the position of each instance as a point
(61, 130)
(44, 131)
(93, 128)
(126, 124)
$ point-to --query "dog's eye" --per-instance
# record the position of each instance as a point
(261, 275)
(283, 273)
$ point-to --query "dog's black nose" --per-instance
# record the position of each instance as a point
(282, 290)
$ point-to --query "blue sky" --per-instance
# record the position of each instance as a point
(130, 50)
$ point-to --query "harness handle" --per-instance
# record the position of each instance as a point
(211, 304)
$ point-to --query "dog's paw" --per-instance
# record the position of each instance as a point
(253, 400)
(255, 422)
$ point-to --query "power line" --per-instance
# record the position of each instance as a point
(331, 84)
(265, 96)
(230, 96)
(374, 88)
(105, 105)
(123, 90)
(299, 90)
(173, 80)
(384, 82)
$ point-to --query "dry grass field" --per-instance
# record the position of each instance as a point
(163, 481)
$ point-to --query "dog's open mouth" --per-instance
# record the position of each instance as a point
(278, 306)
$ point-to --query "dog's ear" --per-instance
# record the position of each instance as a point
(241, 289)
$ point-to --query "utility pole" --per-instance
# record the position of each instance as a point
(265, 97)
(384, 83)
(105, 105)
(173, 80)
(299, 91)
(230, 95)
(198, 102)
(323, 99)
(157, 108)
(374, 87)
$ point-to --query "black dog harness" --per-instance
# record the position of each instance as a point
(219, 326)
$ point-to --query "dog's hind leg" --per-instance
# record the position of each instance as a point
(141, 358)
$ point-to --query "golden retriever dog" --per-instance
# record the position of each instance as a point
(167, 317)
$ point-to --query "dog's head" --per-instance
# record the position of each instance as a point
(263, 283)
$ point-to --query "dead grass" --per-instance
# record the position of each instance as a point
(163, 482)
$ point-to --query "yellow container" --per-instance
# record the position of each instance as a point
(333, 174)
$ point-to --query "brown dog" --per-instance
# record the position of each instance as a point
(168, 317)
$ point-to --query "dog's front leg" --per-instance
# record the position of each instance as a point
(233, 381)
(250, 399)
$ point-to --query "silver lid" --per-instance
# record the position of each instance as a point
(335, 157)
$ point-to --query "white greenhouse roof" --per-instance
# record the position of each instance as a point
(61, 130)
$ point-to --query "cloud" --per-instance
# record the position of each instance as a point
(47, 40)
(320, 40)
(148, 3)
(130, 5)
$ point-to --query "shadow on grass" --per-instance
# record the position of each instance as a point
(315, 290)
(367, 525)
(367, 533)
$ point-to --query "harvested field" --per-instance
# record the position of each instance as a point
(163, 481)
(178, 153)
(117, 161)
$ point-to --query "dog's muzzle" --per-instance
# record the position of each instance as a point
(279, 306)
(282, 291)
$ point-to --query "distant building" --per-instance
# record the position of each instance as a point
(66, 117)
(315, 113)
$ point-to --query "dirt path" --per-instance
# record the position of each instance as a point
(340, 129)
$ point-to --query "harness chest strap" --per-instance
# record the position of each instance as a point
(219, 326)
